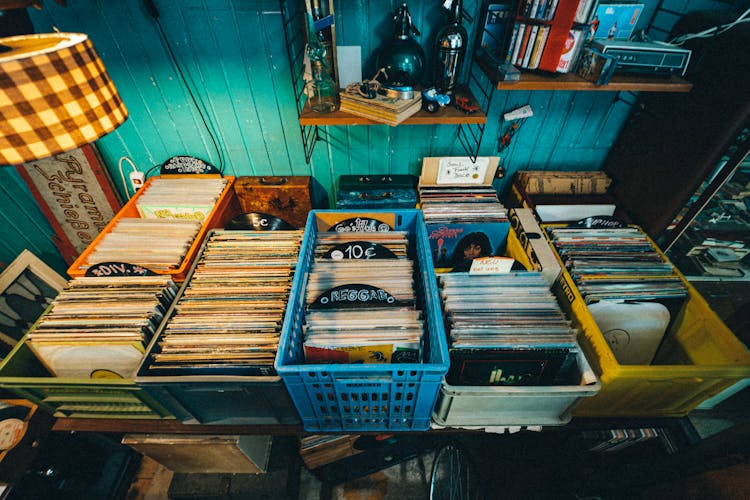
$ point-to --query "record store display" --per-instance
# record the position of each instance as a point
(228, 315)
(506, 330)
(360, 300)
(100, 327)
(632, 292)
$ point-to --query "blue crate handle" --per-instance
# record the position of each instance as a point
(364, 381)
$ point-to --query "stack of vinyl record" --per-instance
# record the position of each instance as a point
(506, 329)
(360, 300)
(616, 264)
(180, 198)
(156, 244)
(229, 315)
(100, 327)
(455, 204)
(632, 292)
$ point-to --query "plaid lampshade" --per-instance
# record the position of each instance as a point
(55, 95)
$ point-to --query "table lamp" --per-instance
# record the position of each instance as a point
(55, 95)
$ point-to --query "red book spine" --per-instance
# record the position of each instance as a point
(558, 34)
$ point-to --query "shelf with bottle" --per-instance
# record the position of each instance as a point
(448, 115)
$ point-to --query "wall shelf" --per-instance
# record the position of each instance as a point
(448, 115)
(293, 22)
(573, 82)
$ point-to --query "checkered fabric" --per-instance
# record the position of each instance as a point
(55, 99)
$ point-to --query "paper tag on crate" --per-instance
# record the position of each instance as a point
(363, 250)
(491, 265)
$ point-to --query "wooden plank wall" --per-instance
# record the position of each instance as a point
(233, 55)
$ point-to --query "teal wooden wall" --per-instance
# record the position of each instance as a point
(233, 54)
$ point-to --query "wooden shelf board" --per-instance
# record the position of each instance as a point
(445, 116)
(167, 426)
(571, 81)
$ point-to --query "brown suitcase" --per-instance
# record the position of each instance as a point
(287, 198)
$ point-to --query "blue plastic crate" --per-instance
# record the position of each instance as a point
(366, 397)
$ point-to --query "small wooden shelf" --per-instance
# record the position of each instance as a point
(571, 81)
(448, 115)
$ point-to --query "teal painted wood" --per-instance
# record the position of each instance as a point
(234, 56)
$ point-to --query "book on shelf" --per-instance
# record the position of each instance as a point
(498, 24)
(380, 109)
(571, 50)
(545, 35)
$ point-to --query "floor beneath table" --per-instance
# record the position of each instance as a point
(534, 465)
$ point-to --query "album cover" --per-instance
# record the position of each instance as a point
(455, 246)
(508, 367)
(363, 222)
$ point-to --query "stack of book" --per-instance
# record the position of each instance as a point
(382, 109)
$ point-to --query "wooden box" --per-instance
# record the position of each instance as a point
(204, 454)
(377, 191)
(287, 198)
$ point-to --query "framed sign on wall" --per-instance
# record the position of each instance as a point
(76, 194)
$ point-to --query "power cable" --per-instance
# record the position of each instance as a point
(154, 13)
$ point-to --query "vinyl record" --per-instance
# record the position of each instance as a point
(257, 221)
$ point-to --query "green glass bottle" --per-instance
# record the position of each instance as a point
(402, 57)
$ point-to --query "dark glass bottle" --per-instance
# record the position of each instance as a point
(450, 47)
(402, 57)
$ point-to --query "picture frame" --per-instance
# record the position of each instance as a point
(27, 288)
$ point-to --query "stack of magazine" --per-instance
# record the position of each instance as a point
(360, 300)
(506, 330)
(380, 108)
(230, 313)
(100, 327)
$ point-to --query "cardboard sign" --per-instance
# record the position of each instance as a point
(75, 193)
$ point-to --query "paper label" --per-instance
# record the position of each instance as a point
(359, 250)
(461, 170)
(491, 265)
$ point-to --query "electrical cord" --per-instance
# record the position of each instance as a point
(122, 175)
(713, 31)
(154, 13)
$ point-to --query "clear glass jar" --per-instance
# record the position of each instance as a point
(321, 90)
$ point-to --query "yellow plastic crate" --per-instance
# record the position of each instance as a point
(699, 357)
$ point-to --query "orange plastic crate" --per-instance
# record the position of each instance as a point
(226, 207)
